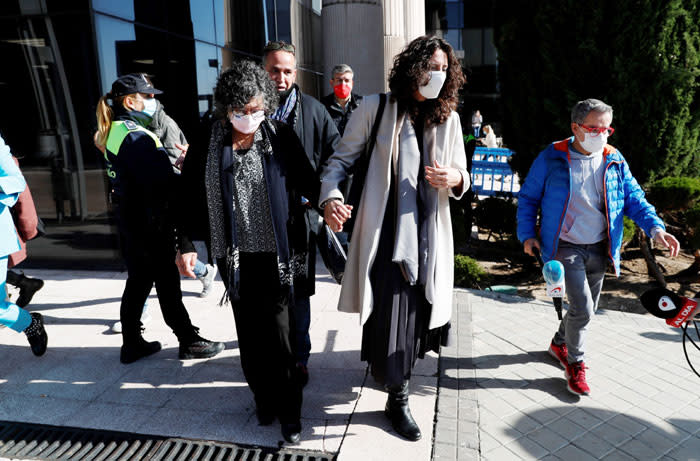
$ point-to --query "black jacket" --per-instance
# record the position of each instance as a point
(319, 136)
(286, 168)
(336, 112)
(316, 130)
(142, 180)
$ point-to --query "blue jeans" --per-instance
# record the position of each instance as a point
(11, 315)
(200, 269)
(302, 321)
(584, 272)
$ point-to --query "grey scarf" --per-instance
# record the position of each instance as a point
(416, 208)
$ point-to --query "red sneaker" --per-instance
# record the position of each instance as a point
(576, 379)
(559, 352)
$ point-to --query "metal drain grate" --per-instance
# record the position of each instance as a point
(41, 442)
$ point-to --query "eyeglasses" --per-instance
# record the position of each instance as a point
(280, 46)
(596, 131)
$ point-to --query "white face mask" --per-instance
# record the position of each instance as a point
(431, 90)
(247, 124)
(594, 143)
(150, 106)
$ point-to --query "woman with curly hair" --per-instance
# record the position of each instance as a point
(399, 273)
(255, 175)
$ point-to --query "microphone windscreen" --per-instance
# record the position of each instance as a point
(666, 304)
(553, 272)
(662, 303)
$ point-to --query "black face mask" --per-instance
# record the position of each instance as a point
(285, 94)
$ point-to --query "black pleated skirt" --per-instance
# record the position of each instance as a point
(396, 333)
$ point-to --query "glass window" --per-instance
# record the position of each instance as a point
(52, 87)
(203, 27)
(123, 8)
(490, 51)
(454, 16)
(454, 38)
(219, 19)
(111, 33)
(473, 46)
(208, 59)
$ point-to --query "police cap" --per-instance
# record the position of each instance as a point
(133, 83)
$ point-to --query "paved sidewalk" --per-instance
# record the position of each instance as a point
(502, 397)
(80, 382)
(496, 394)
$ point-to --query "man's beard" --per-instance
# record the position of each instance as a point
(285, 94)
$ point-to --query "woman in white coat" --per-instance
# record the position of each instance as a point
(399, 274)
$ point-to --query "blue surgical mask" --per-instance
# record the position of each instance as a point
(149, 106)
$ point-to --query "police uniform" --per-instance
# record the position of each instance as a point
(143, 181)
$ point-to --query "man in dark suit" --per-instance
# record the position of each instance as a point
(319, 136)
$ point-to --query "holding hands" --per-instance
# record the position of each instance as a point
(335, 213)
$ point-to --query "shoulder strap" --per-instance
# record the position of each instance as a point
(120, 129)
(375, 126)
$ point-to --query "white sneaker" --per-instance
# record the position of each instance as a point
(145, 318)
(207, 281)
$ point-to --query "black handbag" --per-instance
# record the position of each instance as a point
(332, 252)
(40, 228)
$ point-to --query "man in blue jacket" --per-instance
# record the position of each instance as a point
(11, 185)
(582, 187)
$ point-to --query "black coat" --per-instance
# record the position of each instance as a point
(287, 167)
(319, 136)
(336, 112)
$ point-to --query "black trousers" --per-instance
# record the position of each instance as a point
(152, 261)
(265, 329)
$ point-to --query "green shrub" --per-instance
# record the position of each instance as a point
(497, 216)
(650, 53)
(674, 193)
(692, 221)
(628, 230)
(469, 273)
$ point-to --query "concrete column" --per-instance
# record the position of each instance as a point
(415, 19)
(394, 34)
(352, 35)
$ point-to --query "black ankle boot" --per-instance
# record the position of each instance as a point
(27, 287)
(399, 414)
(137, 348)
(291, 432)
(36, 334)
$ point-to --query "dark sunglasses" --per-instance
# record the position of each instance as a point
(280, 46)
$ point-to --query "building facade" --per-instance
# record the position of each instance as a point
(61, 56)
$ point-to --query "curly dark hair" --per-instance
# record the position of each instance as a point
(411, 70)
(240, 83)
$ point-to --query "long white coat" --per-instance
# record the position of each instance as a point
(356, 290)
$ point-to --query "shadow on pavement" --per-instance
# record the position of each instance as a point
(585, 432)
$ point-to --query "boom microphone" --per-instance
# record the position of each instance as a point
(666, 304)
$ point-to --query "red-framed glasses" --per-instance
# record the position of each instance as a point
(594, 131)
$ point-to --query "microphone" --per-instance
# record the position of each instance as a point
(553, 273)
(665, 304)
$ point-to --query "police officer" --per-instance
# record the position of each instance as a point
(142, 178)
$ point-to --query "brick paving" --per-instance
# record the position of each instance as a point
(501, 396)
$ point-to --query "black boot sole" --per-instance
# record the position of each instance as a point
(39, 343)
(291, 432)
(204, 353)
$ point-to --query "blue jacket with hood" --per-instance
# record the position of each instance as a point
(547, 189)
